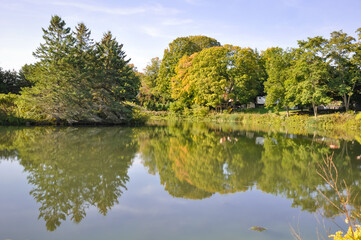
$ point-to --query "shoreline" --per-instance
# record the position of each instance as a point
(337, 125)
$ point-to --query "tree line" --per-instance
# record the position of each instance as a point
(198, 73)
(78, 80)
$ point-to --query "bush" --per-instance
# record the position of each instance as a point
(199, 111)
(177, 107)
(7, 103)
(187, 112)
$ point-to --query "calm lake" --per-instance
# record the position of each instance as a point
(170, 181)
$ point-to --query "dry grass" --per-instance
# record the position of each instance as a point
(328, 171)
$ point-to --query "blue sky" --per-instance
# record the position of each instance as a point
(146, 27)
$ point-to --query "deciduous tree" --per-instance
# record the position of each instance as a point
(310, 74)
(340, 50)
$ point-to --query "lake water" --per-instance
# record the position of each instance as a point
(175, 181)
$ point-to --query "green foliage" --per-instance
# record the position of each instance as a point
(217, 76)
(177, 49)
(309, 74)
(199, 112)
(148, 96)
(77, 81)
(346, 75)
(315, 72)
(278, 63)
(177, 107)
(7, 102)
(8, 110)
(183, 90)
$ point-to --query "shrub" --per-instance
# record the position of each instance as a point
(7, 103)
(177, 107)
(199, 111)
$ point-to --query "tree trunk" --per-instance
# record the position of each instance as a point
(346, 102)
(288, 111)
(314, 109)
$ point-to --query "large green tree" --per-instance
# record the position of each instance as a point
(177, 49)
(116, 76)
(48, 98)
(183, 91)
(340, 49)
(310, 74)
(277, 65)
(356, 61)
(148, 94)
(78, 81)
(217, 76)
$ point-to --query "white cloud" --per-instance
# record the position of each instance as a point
(159, 9)
(154, 32)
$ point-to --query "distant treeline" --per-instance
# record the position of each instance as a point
(197, 74)
(12, 81)
(77, 80)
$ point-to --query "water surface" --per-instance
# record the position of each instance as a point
(178, 181)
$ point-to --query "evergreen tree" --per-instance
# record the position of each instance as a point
(77, 80)
(48, 99)
(116, 77)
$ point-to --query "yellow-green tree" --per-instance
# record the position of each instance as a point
(177, 49)
(217, 76)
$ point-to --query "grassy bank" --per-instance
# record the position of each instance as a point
(336, 125)
(13, 112)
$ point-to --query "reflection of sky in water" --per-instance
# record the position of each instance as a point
(147, 211)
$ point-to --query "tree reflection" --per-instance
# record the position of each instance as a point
(72, 169)
(194, 155)
(195, 161)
